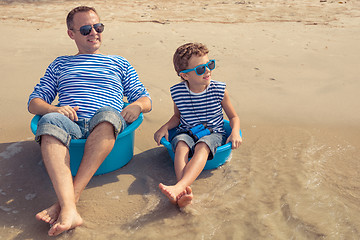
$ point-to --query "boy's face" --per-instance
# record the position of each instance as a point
(197, 83)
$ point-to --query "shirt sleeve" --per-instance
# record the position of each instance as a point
(47, 88)
(133, 88)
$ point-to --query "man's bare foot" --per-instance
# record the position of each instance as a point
(185, 199)
(68, 219)
(171, 192)
(49, 215)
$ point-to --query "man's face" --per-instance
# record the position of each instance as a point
(90, 43)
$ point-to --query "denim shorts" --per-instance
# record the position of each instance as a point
(62, 128)
(213, 141)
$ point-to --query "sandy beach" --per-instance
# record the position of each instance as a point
(291, 69)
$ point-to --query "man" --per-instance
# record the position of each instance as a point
(90, 88)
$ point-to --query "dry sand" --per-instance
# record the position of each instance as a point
(286, 63)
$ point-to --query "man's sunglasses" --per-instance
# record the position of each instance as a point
(201, 69)
(86, 29)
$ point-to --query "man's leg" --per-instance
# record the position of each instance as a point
(98, 146)
(103, 125)
(57, 162)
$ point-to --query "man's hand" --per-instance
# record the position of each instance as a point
(68, 112)
(131, 112)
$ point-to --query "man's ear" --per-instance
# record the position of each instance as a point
(70, 33)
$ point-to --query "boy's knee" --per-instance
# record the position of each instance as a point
(181, 145)
(201, 145)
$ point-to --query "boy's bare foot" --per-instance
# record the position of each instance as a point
(171, 192)
(49, 215)
(166, 190)
(68, 219)
(185, 199)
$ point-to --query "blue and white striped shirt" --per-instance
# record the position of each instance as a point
(90, 81)
(196, 108)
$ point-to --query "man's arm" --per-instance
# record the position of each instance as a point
(40, 107)
(133, 110)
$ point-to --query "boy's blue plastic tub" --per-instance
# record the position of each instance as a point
(222, 153)
(120, 155)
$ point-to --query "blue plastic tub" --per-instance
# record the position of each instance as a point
(120, 155)
(222, 154)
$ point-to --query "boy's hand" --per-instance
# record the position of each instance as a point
(162, 132)
(235, 140)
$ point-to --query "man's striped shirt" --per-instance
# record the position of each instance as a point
(90, 81)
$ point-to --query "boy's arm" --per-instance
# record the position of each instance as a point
(164, 130)
(234, 137)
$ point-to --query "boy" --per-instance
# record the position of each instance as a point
(198, 103)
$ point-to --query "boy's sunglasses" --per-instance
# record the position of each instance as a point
(86, 29)
(201, 69)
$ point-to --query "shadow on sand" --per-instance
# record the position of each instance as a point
(25, 187)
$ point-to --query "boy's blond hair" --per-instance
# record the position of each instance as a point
(184, 53)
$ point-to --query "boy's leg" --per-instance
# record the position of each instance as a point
(180, 160)
(195, 166)
(191, 171)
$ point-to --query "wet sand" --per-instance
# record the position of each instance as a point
(291, 69)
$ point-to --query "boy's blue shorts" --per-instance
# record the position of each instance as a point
(213, 141)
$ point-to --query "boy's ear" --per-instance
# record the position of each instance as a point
(184, 76)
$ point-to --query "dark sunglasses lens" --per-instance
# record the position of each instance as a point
(85, 30)
(200, 70)
(99, 27)
(211, 65)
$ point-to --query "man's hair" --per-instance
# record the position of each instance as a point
(70, 16)
(185, 52)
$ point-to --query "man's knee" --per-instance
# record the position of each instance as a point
(57, 126)
(110, 116)
(52, 118)
(104, 127)
(49, 139)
